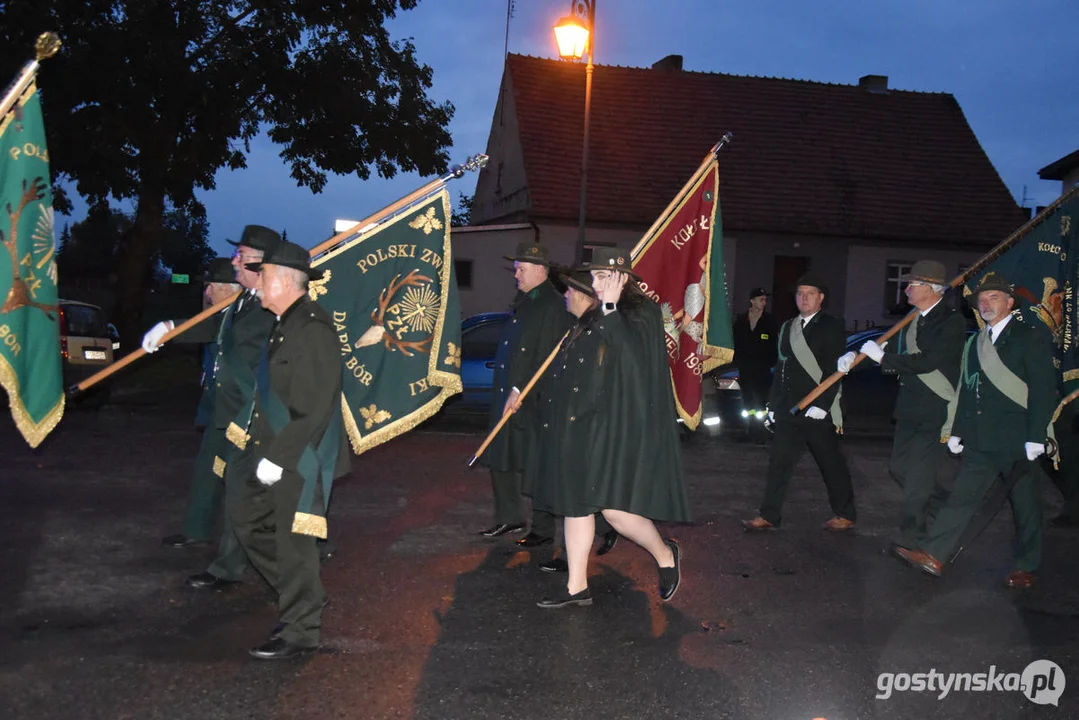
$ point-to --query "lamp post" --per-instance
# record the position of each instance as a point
(575, 35)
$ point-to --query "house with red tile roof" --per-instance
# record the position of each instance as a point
(854, 181)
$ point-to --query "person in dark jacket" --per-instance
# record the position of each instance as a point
(611, 445)
(298, 441)
(539, 320)
(1007, 395)
(240, 334)
(755, 336)
(809, 343)
(926, 357)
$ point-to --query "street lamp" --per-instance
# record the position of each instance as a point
(575, 35)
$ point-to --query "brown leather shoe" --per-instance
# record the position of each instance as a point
(839, 524)
(1019, 580)
(757, 524)
(921, 560)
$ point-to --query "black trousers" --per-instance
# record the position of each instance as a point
(231, 561)
(262, 520)
(793, 436)
(506, 488)
(916, 465)
(207, 486)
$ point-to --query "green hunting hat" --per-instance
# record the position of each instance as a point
(288, 255)
(258, 237)
(578, 280)
(812, 280)
(992, 281)
(219, 271)
(611, 258)
(530, 252)
(927, 271)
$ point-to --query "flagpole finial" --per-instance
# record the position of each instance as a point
(47, 45)
(473, 162)
(725, 140)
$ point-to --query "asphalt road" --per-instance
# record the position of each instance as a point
(428, 620)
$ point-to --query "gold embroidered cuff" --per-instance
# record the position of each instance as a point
(219, 467)
(236, 435)
(308, 524)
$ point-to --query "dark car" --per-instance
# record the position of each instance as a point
(479, 342)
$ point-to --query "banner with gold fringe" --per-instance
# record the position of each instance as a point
(392, 295)
(30, 363)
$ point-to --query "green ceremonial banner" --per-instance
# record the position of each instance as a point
(30, 363)
(392, 295)
(1043, 268)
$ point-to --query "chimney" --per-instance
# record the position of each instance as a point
(874, 83)
(671, 62)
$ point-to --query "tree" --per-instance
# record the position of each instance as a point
(462, 216)
(148, 99)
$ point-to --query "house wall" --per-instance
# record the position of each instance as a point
(502, 188)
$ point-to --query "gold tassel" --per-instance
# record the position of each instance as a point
(219, 467)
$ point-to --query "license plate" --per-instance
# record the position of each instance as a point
(94, 354)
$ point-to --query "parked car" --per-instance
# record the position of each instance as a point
(87, 340)
(479, 343)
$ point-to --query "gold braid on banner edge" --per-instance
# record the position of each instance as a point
(33, 433)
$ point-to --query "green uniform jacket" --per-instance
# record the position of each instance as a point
(609, 439)
(241, 341)
(304, 361)
(940, 342)
(538, 323)
(827, 339)
(986, 419)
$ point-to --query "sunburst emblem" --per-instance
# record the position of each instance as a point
(426, 222)
(454, 357)
(44, 242)
(419, 308)
(317, 288)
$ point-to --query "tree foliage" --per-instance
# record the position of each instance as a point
(462, 216)
(149, 99)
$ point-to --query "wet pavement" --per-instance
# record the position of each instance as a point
(428, 620)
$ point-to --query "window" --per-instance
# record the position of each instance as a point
(481, 341)
(589, 249)
(463, 269)
(895, 300)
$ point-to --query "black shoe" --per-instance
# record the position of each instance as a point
(533, 540)
(501, 530)
(279, 649)
(610, 539)
(209, 581)
(564, 599)
(670, 578)
(555, 565)
(179, 540)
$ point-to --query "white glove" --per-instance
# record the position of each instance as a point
(845, 363)
(151, 339)
(815, 413)
(873, 351)
(955, 445)
(1034, 450)
(267, 472)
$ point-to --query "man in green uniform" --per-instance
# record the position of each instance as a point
(240, 335)
(539, 321)
(808, 343)
(927, 359)
(207, 485)
(1007, 394)
(298, 440)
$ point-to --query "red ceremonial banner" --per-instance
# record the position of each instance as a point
(675, 266)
